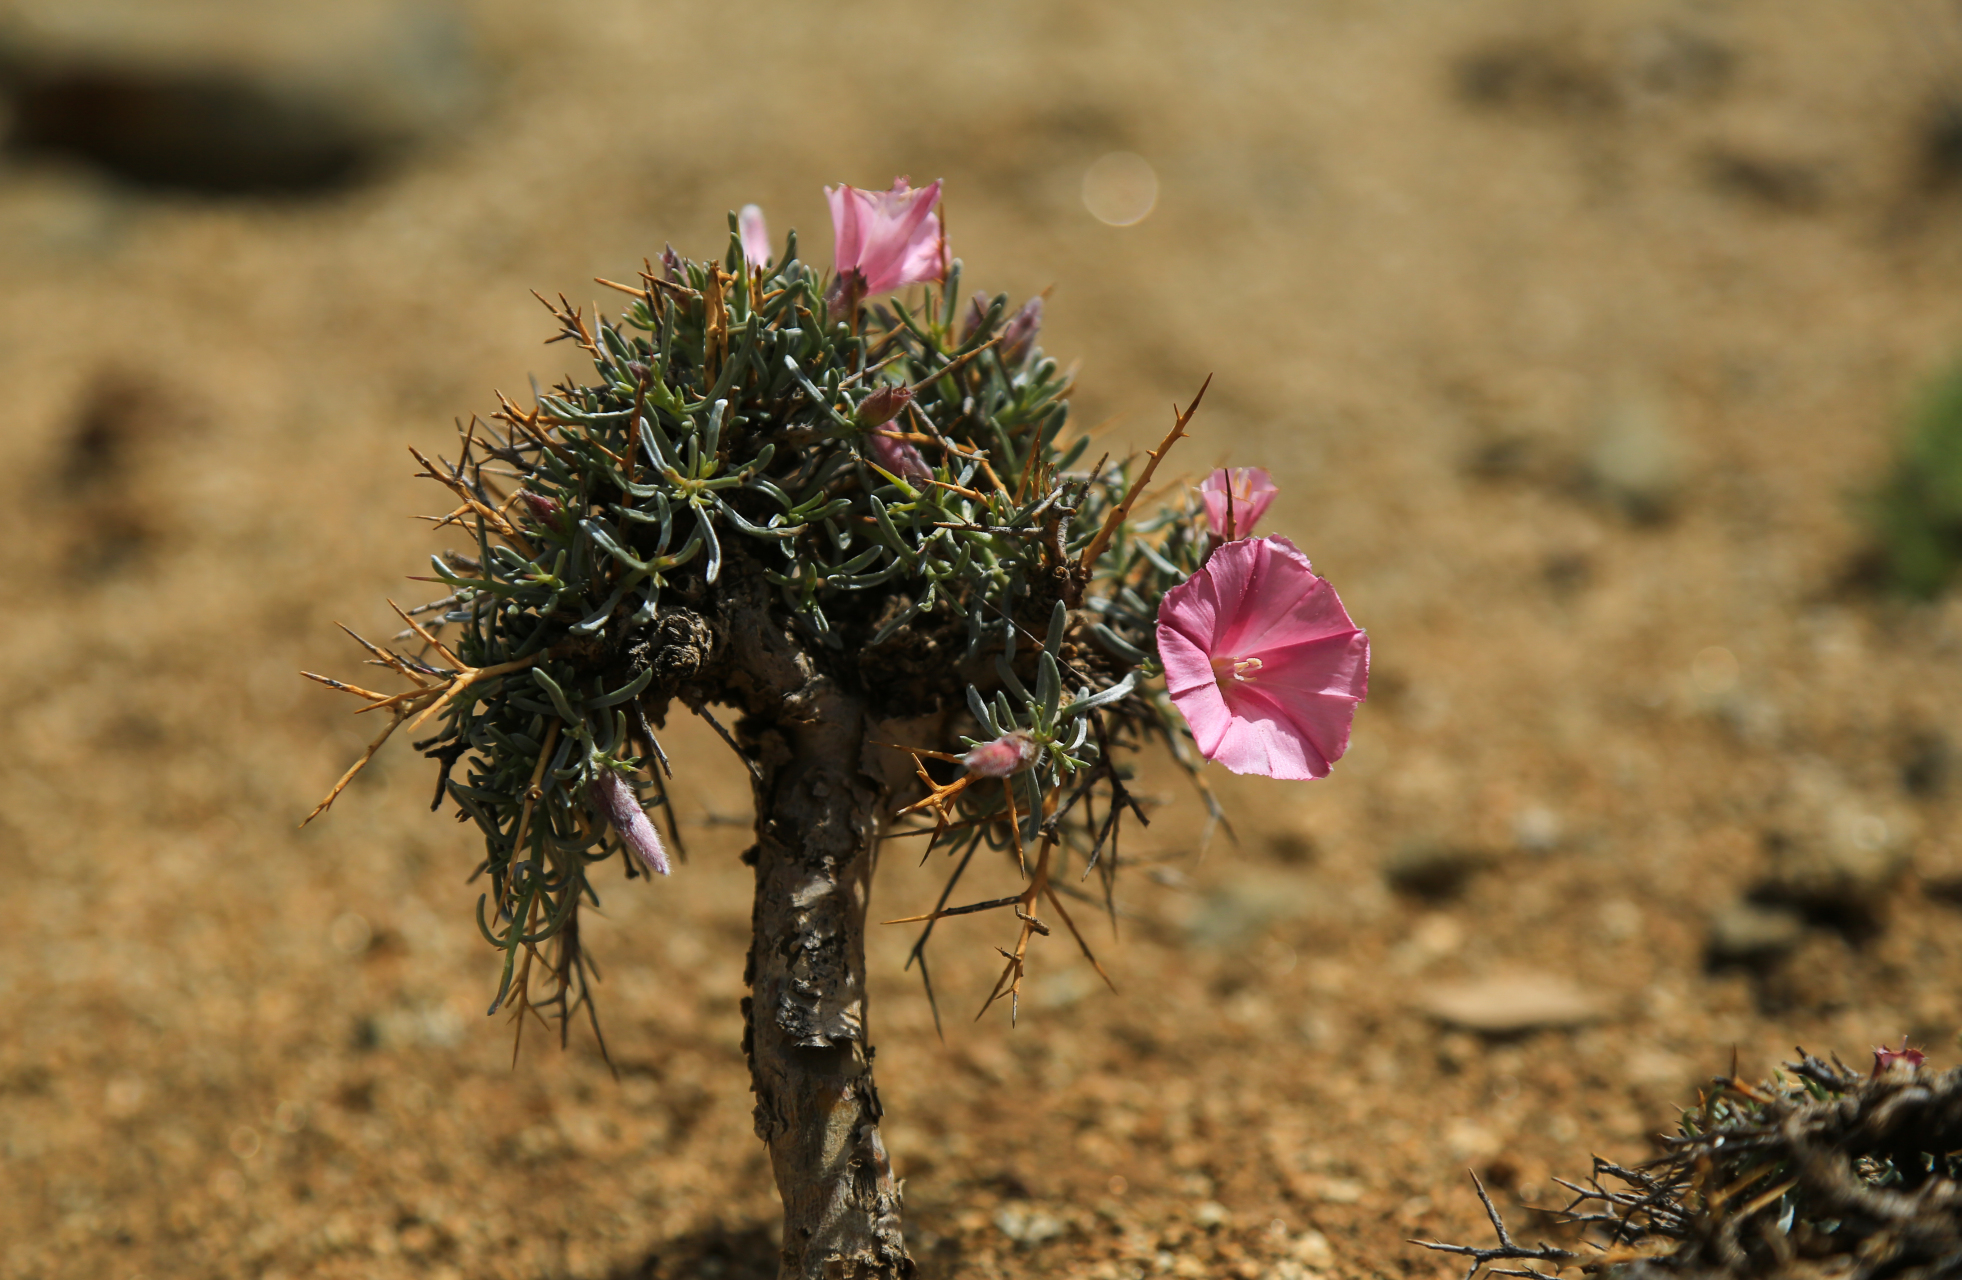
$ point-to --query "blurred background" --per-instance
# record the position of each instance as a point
(1599, 354)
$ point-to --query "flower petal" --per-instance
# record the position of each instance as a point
(1273, 598)
(755, 235)
(847, 230)
(1197, 696)
(1265, 739)
(1315, 688)
(1191, 610)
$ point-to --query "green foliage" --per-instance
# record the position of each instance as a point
(1917, 513)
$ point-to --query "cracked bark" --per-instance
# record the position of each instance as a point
(810, 1058)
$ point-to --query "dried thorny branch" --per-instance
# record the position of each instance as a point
(1506, 1250)
(1818, 1171)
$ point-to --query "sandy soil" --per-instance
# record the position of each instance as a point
(1571, 334)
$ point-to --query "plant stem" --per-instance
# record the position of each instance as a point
(810, 1057)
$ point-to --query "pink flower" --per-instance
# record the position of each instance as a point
(1885, 1059)
(622, 808)
(1263, 661)
(898, 456)
(1235, 499)
(756, 235)
(887, 239)
(1007, 754)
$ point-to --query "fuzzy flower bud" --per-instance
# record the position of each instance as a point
(548, 511)
(1010, 753)
(756, 235)
(1019, 334)
(897, 455)
(1901, 1059)
(885, 403)
(622, 808)
(977, 311)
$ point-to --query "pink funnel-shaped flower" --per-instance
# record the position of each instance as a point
(755, 234)
(1263, 661)
(1235, 499)
(887, 239)
(622, 808)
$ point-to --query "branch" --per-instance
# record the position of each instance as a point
(1507, 1251)
(1122, 510)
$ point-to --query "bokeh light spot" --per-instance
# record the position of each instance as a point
(1120, 189)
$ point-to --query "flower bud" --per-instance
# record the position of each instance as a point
(1235, 499)
(977, 312)
(1019, 334)
(548, 511)
(885, 403)
(755, 234)
(617, 801)
(1010, 753)
(898, 456)
(1901, 1059)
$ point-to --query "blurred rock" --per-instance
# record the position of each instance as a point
(1292, 848)
(1537, 77)
(1511, 1004)
(1927, 763)
(1434, 871)
(1777, 183)
(1819, 976)
(220, 100)
(1234, 914)
(1028, 1226)
(1635, 460)
(1752, 933)
(1537, 829)
(1833, 853)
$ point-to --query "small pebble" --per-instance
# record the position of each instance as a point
(1512, 1004)
(1749, 932)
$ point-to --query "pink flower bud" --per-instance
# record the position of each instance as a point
(1901, 1059)
(887, 239)
(756, 235)
(622, 808)
(977, 311)
(897, 456)
(1019, 334)
(884, 404)
(549, 512)
(1235, 499)
(1010, 753)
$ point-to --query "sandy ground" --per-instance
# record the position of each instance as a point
(1571, 334)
